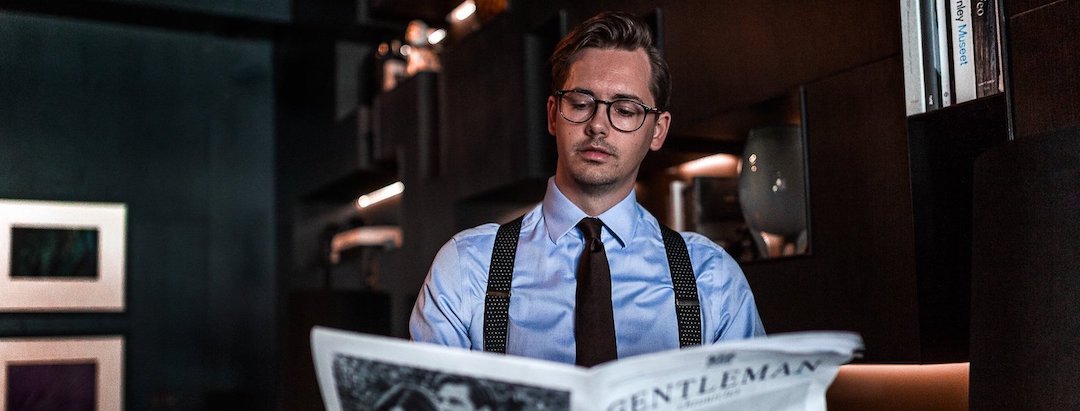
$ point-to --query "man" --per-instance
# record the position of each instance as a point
(455, 393)
(606, 111)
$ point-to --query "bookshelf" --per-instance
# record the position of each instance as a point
(952, 52)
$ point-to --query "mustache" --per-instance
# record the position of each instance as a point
(597, 145)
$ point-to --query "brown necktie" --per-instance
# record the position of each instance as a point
(594, 325)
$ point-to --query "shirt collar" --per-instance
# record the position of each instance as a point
(561, 215)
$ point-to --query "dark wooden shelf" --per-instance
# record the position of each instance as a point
(943, 145)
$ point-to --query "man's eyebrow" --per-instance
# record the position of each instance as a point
(582, 91)
(627, 96)
(618, 96)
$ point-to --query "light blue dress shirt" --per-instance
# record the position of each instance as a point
(450, 308)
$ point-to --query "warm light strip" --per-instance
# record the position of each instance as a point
(435, 36)
(380, 235)
(901, 386)
(380, 194)
(462, 11)
(711, 164)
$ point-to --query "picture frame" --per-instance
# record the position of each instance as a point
(62, 256)
(72, 373)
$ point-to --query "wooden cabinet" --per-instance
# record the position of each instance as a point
(1025, 219)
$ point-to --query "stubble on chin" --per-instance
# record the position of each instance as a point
(594, 178)
(594, 185)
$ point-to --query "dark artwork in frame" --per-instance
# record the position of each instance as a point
(57, 253)
(713, 210)
(55, 386)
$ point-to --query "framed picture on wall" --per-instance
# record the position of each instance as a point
(75, 374)
(62, 256)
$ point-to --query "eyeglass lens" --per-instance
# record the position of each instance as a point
(625, 115)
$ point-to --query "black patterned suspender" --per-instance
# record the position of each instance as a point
(497, 300)
(687, 307)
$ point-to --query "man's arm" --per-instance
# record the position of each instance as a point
(444, 306)
(726, 293)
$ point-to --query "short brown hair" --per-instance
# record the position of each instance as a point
(612, 30)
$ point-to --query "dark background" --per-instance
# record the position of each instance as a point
(230, 131)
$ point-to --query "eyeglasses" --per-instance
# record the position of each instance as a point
(625, 115)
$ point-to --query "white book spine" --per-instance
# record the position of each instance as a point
(911, 37)
(963, 51)
(944, 60)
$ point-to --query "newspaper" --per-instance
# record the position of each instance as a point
(780, 372)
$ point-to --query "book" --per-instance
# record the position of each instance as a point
(930, 58)
(986, 31)
(912, 45)
(780, 372)
(944, 63)
(963, 52)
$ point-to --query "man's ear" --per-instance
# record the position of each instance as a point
(552, 114)
(660, 130)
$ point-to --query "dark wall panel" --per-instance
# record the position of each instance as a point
(1015, 7)
(180, 128)
(860, 275)
(1044, 57)
(262, 9)
(483, 109)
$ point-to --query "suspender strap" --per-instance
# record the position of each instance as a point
(497, 300)
(687, 307)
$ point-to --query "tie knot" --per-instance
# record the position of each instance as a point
(590, 227)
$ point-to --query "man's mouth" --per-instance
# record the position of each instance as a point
(594, 153)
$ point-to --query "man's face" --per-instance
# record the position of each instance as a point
(454, 397)
(594, 156)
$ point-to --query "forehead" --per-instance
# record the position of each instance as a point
(454, 390)
(611, 72)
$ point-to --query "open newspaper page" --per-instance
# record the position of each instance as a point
(366, 372)
(782, 372)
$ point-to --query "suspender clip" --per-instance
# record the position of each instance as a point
(687, 302)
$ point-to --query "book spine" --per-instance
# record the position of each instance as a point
(931, 64)
(963, 63)
(944, 52)
(988, 76)
(911, 38)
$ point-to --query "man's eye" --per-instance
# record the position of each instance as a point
(626, 109)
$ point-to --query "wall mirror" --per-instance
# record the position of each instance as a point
(739, 178)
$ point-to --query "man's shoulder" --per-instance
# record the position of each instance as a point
(478, 233)
(483, 236)
(698, 240)
(701, 248)
(473, 240)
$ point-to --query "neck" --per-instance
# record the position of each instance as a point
(592, 199)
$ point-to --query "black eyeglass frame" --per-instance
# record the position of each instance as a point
(648, 109)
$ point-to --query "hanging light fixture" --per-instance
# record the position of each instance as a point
(381, 194)
(462, 11)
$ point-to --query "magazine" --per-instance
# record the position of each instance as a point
(780, 372)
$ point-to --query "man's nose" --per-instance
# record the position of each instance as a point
(598, 124)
